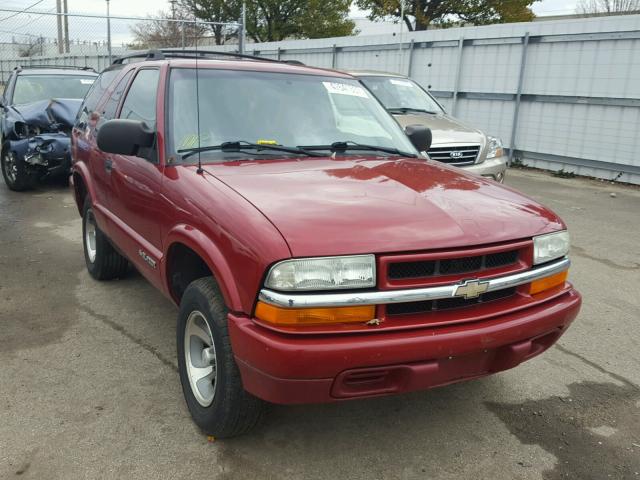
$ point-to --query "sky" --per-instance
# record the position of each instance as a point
(33, 24)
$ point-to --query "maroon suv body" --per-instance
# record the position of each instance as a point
(434, 275)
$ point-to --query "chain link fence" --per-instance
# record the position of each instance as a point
(48, 38)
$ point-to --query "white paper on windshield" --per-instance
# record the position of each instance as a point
(86, 81)
(404, 83)
(345, 89)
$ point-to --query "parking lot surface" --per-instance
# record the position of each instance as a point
(89, 387)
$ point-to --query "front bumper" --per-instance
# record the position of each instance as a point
(493, 168)
(289, 369)
(44, 154)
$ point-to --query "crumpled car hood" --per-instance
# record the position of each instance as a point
(375, 205)
(44, 113)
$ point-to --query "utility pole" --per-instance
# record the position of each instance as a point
(400, 42)
(108, 32)
(243, 29)
(174, 25)
(66, 27)
(59, 22)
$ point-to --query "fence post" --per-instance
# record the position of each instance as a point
(410, 63)
(279, 53)
(1, 74)
(456, 84)
(516, 108)
(334, 56)
(182, 34)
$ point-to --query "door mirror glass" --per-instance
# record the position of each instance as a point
(126, 137)
(420, 136)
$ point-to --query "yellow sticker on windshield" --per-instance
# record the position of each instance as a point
(189, 141)
(266, 142)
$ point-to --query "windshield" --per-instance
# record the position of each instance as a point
(274, 109)
(398, 93)
(31, 88)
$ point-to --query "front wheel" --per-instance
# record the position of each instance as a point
(14, 171)
(209, 375)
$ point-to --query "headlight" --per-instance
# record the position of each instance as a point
(23, 130)
(323, 273)
(495, 148)
(551, 246)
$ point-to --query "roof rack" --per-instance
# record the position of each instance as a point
(61, 67)
(166, 53)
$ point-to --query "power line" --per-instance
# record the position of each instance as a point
(23, 11)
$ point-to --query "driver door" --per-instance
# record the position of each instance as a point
(136, 182)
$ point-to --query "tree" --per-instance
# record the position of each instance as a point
(32, 46)
(609, 7)
(218, 11)
(272, 20)
(419, 14)
(160, 31)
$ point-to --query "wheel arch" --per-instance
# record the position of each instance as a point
(81, 186)
(194, 251)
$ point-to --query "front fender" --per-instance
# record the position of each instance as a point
(213, 257)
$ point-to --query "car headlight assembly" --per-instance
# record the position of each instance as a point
(495, 148)
(550, 247)
(23, 130)
(323, 273)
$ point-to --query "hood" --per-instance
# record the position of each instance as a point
(445, 128)
(45, 113)
(365, 205)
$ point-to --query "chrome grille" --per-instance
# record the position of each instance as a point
(458, 155)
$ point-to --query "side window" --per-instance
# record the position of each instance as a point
(95, 93)
(140, 102)
(111, 105)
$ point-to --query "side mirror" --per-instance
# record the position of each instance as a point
(125, 137)
(420, 136)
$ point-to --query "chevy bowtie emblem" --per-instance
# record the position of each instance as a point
(471, 289)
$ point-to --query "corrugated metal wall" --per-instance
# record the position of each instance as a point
(579, 102)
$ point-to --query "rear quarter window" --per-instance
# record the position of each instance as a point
(95, 93)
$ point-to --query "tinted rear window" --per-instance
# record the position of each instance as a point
(96, 92)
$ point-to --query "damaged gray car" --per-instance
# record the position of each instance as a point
(37, 112)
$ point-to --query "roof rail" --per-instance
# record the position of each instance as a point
(61, 67)
(165, 53)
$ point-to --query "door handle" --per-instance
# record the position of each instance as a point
(108, 165)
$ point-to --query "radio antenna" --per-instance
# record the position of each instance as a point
(199, 171)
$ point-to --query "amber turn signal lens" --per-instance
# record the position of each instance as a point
(314, 316)
(546, 283)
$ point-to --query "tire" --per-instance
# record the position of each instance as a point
(15, 172)
(103, 261)
(218, 403)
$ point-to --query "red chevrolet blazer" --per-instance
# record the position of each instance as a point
(314, 253)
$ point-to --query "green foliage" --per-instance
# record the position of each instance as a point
(271, 20)
(419, 14)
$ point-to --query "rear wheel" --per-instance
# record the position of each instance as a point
(103, 261)
(14, 171)
(209, 375)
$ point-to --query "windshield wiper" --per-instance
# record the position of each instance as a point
(340, 147)
(408, 110)
(240, 145)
